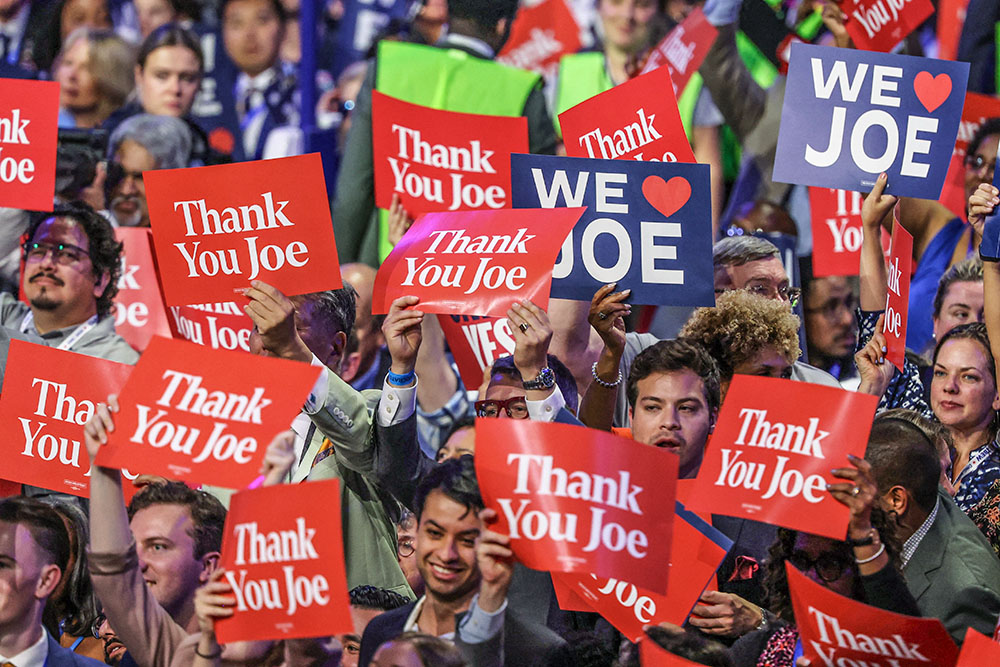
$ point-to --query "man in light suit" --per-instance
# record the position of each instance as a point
(950, 568)
(34, 551)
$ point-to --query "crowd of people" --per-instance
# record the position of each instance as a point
(170, 84)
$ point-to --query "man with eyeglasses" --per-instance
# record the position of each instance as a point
(829, 305)
(72, 263)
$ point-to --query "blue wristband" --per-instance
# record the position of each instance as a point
(398, 380)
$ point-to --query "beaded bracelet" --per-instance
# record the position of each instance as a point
(608, 385)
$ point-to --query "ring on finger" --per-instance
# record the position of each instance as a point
(602, 315)
(855, 491)
(523, 326)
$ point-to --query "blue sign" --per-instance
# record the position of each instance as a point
(989, 246)
(361, 22)
(850, 115)
(648, 226)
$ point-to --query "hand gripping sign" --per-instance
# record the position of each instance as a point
(474, 262)
(637, 120)
(648, 226)
(543, 32)
(897, 303)
(836, 630)
(220, 326)
(139, 310)
(29, 112)
(879, 25)
(772, 451)
(837, 232)
(286, 568)
(204, 416)
(683, 49)
(442, 160)
(850, 115)
(217, 228)
(978, 649)
(475, 343)
(697, 550)
(577, 500)
(48, 396)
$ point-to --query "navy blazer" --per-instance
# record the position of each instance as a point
(64, 657)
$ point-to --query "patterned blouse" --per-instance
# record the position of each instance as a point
(978, 474)
(905, 389)
(986, 515)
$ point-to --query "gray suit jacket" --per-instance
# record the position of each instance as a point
(954, 575)
(63, 657)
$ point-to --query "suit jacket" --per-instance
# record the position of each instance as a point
(522, 643)
(64, 657)
(954, 574)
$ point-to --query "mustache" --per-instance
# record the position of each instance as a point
(44, 274)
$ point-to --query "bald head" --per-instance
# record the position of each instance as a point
(367, 337)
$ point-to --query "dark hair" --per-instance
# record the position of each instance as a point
(564, 378)
(370, 597)
(901, 454)
(455, 478)
(776, 596)
(686, 644)
(969, 270)
(44, 523)
(459, 424)
(276, 5)
(171, 34)
(73, 605)
(989, 126)
(432, 651)
(105, 252)
(668, 356)
(335, 307)
(207, 513)
(485, 13)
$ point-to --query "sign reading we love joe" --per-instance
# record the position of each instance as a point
(474, 262)
(836, 630)
(442, 160)
(204, 416)
(577, 500)
(48, 396)
(648, 225)
(217, 228)
(637, 120)
(286, 568)
(850, 115)
(772, 451)
(29, 111)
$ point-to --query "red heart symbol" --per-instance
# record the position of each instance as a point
(932, 91)
(667, 197)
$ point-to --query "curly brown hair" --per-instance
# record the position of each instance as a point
(740, 326)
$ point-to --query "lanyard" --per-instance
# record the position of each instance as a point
(71, 339)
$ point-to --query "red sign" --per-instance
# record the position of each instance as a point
(139, 310)
(772, 451)
(879, 25)
(836, 630)
(543, 32)
(217, 228)
(29, 112)
(457, 263)
(652, 655)
(442, 160)
(897, 301)
(951, 18)
(837, 232)
(978, 108)
(578, 500)
(220, 326)
(694, 558)
(683, 49)
(8, 489)
(286, 568)
(48, 395)
(637, 120)
(204, 416)
(978, 650)
(475, 343)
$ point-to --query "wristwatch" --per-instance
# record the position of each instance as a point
(545, 379)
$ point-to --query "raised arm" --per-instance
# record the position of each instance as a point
(981, 205)
(607, 312)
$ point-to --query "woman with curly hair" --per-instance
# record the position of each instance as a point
(865, 567)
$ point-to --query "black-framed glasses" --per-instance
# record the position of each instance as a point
(976, 163)
(791, 295)
(62, 253)
(515, 407)
(830, 309)
(828, 566)
(95, 628)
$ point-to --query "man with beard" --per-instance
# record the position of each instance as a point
(115, 653)
(72, 263)
(142, 143)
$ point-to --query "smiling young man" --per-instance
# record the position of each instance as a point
(70, 277)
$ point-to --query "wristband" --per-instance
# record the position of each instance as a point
(398, 380)
(608, 385)
(207, 657)
(866, 541)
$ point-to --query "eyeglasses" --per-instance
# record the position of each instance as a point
(784, 293)
(405, 548)
(62, 253)
(831, 308)
(95, 628)
(515, 407)
(828, 566)
(975, 163)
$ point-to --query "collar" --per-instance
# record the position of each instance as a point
(913, 541)
(477, 46)
(411, 620)
(33, 656)
(245, 82)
